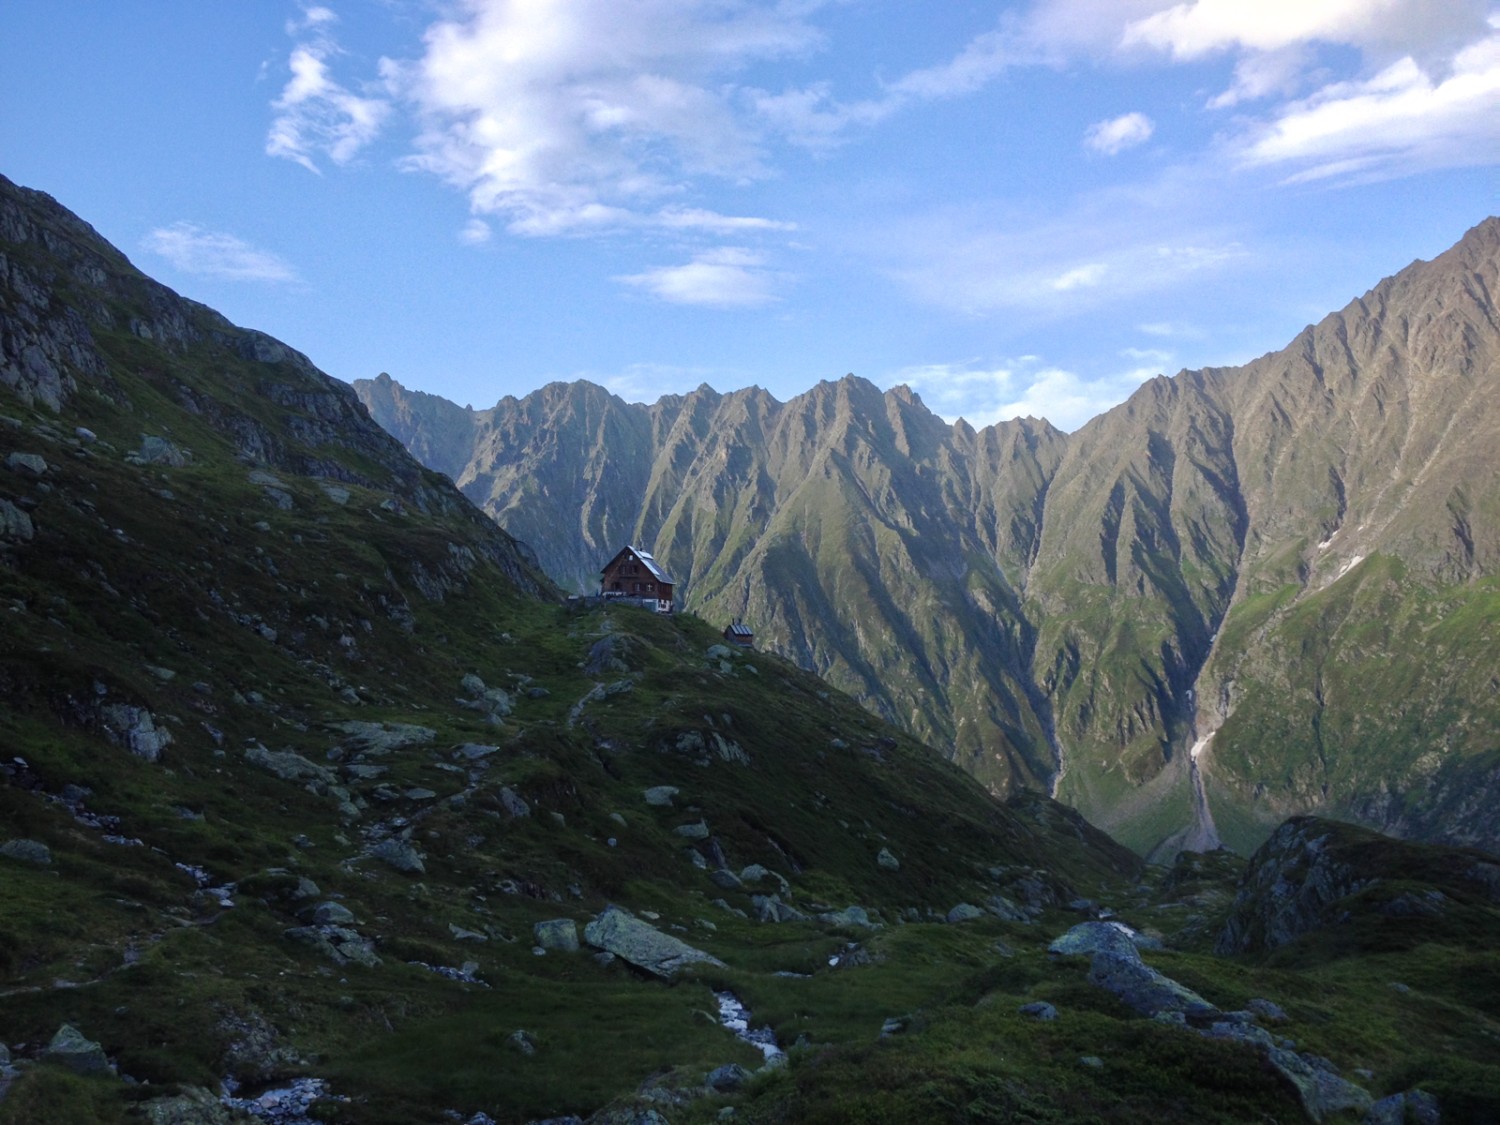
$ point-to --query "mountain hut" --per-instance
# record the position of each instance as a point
(634, 574)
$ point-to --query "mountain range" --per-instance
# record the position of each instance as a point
(1241, 594)
(319, 802)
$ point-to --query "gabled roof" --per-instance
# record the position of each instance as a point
(740, 629)
(651, 564)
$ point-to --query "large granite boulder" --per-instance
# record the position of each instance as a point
(641, 944)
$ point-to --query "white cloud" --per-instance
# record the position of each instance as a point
(729, 277)
(1119, 133)
(582, 116)
(1080, 277)
(476, 232)
(197, 250)
(315, 115)
(1022, 387)
(1395, 123)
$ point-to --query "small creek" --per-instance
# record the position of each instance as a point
(736, 1017)
(287, 1104)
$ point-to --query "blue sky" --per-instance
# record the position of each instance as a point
(1016, 208)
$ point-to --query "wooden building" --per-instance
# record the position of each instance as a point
(738, 633)
(634, 574)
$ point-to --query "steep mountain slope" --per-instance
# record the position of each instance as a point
(1289, 566)
(866, 538)
(300, 747)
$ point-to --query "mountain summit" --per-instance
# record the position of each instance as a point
(1288, 567)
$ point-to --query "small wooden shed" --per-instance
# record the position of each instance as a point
(738, 633)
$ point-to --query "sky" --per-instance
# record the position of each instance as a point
(1015, 208)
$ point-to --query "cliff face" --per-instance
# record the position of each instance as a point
(1290, 565)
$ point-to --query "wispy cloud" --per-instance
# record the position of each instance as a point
(316, 115)
(209, 253)
(476, 232)
(584, 116)
(1025, 386)
(728, 277)
(1119, 133)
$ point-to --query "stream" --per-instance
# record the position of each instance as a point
(1203, 836)
(736, 1017)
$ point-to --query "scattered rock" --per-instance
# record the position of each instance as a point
(460, 934)
(1411, 1107)
(514, 807)
(29, 851)
(1089, 938)
(522, 1041)
(289, 766)
(627, 937)
(849, 916)
(1039, 1009)
(770, 908)
(1267, 1010)
(376, 739)
(661, 795)
(964, 912)
(135, 729)
(28, 464)
(81, 1055)
(1093, 1062)
(399, 853)
(474, 751)
(332, 914)
(1318, 1084)
(559, 934)
(727, 1079)
(340, 944)
(192, 1105)
(696, 831)
(159, 451)
(15, 524)
(725, 879)
(887, 861)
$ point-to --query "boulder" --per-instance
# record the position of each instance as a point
(81, 1055)
(1039, 1009)
(400, 854)
(1143, 988)
(849, 916)
(339, 944)
(698, 830)
(514, 807)
(887, 861)
(1319, 1087)
(332, 914)
(661, 795)
(15, 524)
(27, 464)
(770, 908)
(559, 934)
(643, 945)
(725, 879)
(192, 1105)
(1410, 1107)
(135, 729)
(964, 912)
(289, 766)
(28, 851)
(1089, 938)
(727, 1079)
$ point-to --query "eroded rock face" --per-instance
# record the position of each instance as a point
(1303, 877)
(643, 945)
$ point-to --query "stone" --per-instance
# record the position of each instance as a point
(1319, 1087)
(964, 912)
(725, 879)
(398, 853)
(719, 652)
(1093, 1062)
(558, 934)
(135, 729)
(377, 739)
(28, 851)
(512, 804)
(695, 831)
(15, 524)
(460, 934)
(332, 914)
(474, 751)
(1410, 1107)
(28, 464)
(1007, 911)
(337, 494)
(340, 944)
(1039, 1009)
(159, 451)
(770, 908)
(1267, 1010)
(522, 1041)
(849, 916)
(627, 937)
(289, 766)
(727, 1079)
(191, 1105)
(81, 1055)
(661, 795)
(1143, 988)
(887, 861)
(1089, 938)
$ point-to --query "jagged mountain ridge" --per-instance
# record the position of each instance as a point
(1029, 600)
